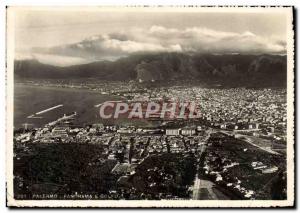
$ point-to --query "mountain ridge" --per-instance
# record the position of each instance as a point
(227, 69)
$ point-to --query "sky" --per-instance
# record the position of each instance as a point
(67, 37)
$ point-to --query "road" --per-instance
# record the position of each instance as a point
(202, 189)
(196, 188)
(205, 189)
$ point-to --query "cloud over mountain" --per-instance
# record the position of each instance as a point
(161, 39)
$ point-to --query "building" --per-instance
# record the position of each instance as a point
(172, 131)
(223, 126)
(188, 131)
(60, 132)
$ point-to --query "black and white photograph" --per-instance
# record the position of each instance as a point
(154, 106)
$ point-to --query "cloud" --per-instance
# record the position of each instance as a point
(162, 39)
(57, 60)
(211, 41)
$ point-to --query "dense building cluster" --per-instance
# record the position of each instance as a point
(252, 122)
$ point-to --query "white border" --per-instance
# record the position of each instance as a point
(165, 203)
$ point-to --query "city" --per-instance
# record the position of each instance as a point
(236, 149)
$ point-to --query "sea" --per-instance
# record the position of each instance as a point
(29, 100)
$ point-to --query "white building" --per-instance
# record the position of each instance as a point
(172, 131)
(188, 131)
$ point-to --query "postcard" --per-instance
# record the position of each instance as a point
(152, 107)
